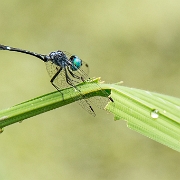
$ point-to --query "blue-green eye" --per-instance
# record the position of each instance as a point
(76, 63)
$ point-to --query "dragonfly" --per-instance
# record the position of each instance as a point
(66, 70)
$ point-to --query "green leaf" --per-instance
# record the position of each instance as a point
(154, 115)
(48, 102)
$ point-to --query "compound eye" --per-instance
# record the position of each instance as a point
(76, 63)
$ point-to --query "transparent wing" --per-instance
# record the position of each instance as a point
(61, 83)
(99, 101)
(69, 78)
(82, 75)
(76, 76)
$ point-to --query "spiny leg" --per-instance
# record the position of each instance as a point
(73, 75)
(53, 78)
(68, 80)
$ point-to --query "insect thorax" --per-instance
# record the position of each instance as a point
(59, 58)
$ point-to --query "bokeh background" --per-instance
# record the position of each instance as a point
(133, 41)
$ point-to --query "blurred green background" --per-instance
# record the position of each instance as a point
(133, 41)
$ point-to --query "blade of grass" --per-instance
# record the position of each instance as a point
(154, 115)
(46, 103)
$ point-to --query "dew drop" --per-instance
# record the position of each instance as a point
(154, 114)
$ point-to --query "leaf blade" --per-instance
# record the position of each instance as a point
(135, 107)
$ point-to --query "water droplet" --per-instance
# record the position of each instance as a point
(164, 111)
(154, 113)
(1, 130)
